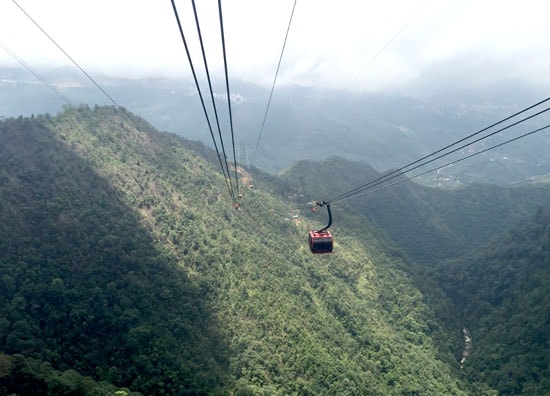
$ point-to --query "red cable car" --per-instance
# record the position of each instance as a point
(321, 242)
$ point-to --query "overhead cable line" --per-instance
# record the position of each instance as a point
(212, 95)
(449, 163)
(226, 177)
(384, 47)
(419, 163)
(228, 97)
(36, 74)
(67, 55)
(396, 173)
(273, 86)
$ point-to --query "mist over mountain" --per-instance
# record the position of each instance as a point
(386, 131)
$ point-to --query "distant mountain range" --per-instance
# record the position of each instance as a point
(386, 131)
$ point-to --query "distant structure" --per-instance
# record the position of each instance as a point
(243, 156)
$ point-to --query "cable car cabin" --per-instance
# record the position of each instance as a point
(320, 242)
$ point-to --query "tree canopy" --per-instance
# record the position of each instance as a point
(125, 268)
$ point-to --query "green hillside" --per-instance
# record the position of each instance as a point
(502, 292)
(475, 245)
(427, 224)
(124, 265)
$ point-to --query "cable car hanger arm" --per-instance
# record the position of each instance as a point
(327, 204)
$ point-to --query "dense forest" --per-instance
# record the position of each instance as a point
(502, 292)
(125, 270)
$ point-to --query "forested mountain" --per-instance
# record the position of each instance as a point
(425, 223)
(502, 295)
(124, 264)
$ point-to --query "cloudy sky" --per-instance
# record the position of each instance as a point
(348, 44)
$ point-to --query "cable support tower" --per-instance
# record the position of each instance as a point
(37, 75)
(425, 159)
(449, 163)
(67, 55)
(225, 175)
(228, 97)
(273, 86)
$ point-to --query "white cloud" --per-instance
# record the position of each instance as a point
(330, 43)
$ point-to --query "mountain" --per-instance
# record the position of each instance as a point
(386, 130)
(502, 292)
(125, 262)
(427, 224)
(126, 268)
(484, 247)
(84, 286)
